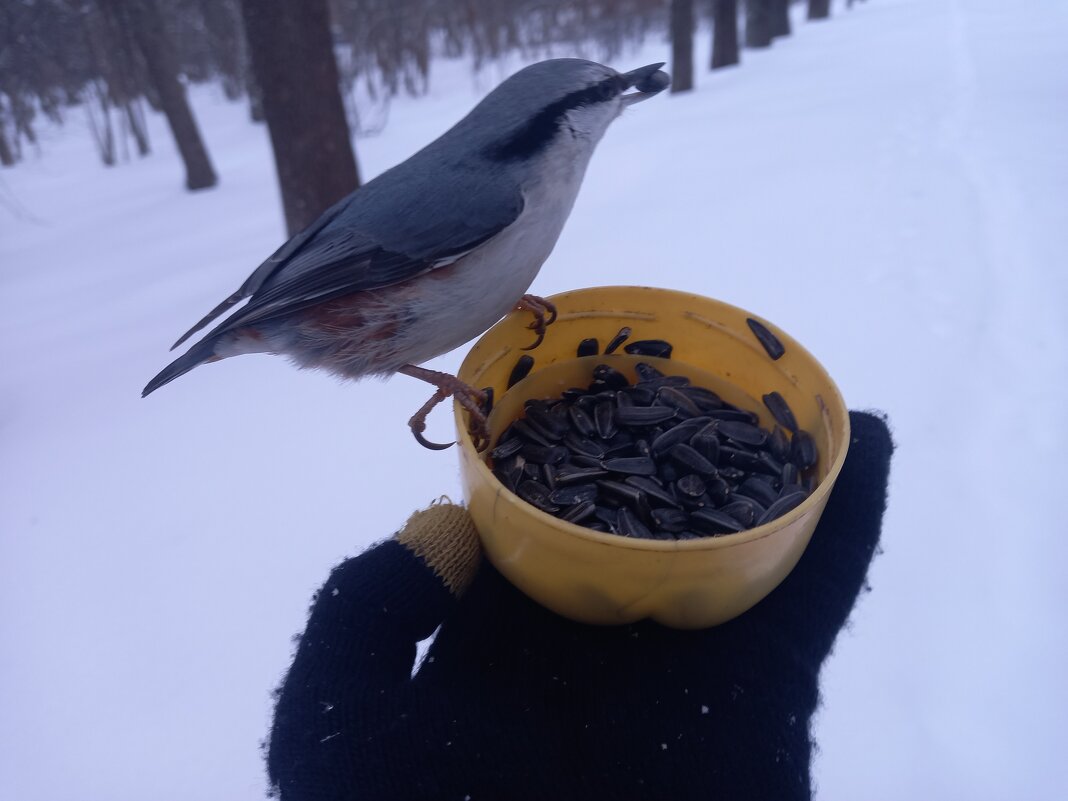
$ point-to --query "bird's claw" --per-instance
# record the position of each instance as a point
(539, 307)
(477, 403)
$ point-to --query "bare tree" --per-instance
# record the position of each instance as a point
(758, 23)
(682, 27)
(144, 23)
(819, 9)
(724, 33)
(780, 18)
(7, 157)
(293, 61)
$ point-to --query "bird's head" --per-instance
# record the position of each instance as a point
(561, 103)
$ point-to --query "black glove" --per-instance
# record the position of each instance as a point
(515, 702)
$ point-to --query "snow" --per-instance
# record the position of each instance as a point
(889, 186)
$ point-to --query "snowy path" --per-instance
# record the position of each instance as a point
(890, 186)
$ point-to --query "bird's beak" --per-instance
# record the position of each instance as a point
(649, 81)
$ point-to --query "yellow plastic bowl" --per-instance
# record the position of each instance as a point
(601, 578)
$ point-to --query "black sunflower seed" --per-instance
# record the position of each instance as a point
(539, 454)
(790, 489)
(646, 372)
(509, 448)
(510, 471)
(521, 370)
(759, 490)
(790, 474)
(604, 418)
(581, 422)
(743, 460)
(628, 524)
(548, 476)
(712, 521)
(576, 493)
(583, 446)
(588, 347)
(680, 433)
(644, 415)
(718, 490)
(548, 424)
(617, 340)
(673, 397)
(782, 506)
(652, 489)
(768, 340)
(739, 415)
(670, 520)
(642, 396)
(757, 507)
(779, 444)
(676, 381)
(649, 347)
(627, 495)
(528, 433)
(607, 515)
(690, 460)
(536, 495)
(781, 411)
(744, 433)
(691, 486)
(622, 444)
(569, 474)
(580, 511)
(803, 450)
(633, 465)
(706, 443)
(742, 512)
(578, 460)
(610, 376)
(707, 400)
(731, 474)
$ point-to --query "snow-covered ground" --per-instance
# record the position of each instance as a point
(890, 186)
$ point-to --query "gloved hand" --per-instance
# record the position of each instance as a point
(514, 702)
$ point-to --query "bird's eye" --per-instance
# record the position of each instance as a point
(606, 90)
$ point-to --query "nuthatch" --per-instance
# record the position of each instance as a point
(434, 251)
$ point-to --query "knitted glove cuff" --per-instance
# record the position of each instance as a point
(444, 537)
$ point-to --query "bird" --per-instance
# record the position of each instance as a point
(432, 252)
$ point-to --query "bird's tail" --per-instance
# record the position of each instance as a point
(200, 353)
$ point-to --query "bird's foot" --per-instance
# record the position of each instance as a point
(540, 307)
(477, 403)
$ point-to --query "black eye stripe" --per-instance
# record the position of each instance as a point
(534, 136)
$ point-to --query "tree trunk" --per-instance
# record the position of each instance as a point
(136, 121)
(819, 9)
(7, 158)
(780, 18)
(682, 26)
(146, 24)
(293, 61)
(758, 23)
(724, 33)
(222, 21)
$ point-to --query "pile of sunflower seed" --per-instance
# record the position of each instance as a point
(659, 458)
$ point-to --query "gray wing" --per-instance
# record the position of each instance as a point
(276, 259)
(396, 227)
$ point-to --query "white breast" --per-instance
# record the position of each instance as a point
(487, 283)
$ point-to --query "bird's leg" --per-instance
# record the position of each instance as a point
(471, 399)
(539, 307)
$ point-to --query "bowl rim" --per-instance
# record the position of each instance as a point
(719, 541)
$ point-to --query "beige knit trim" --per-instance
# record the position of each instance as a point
(444, 537)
